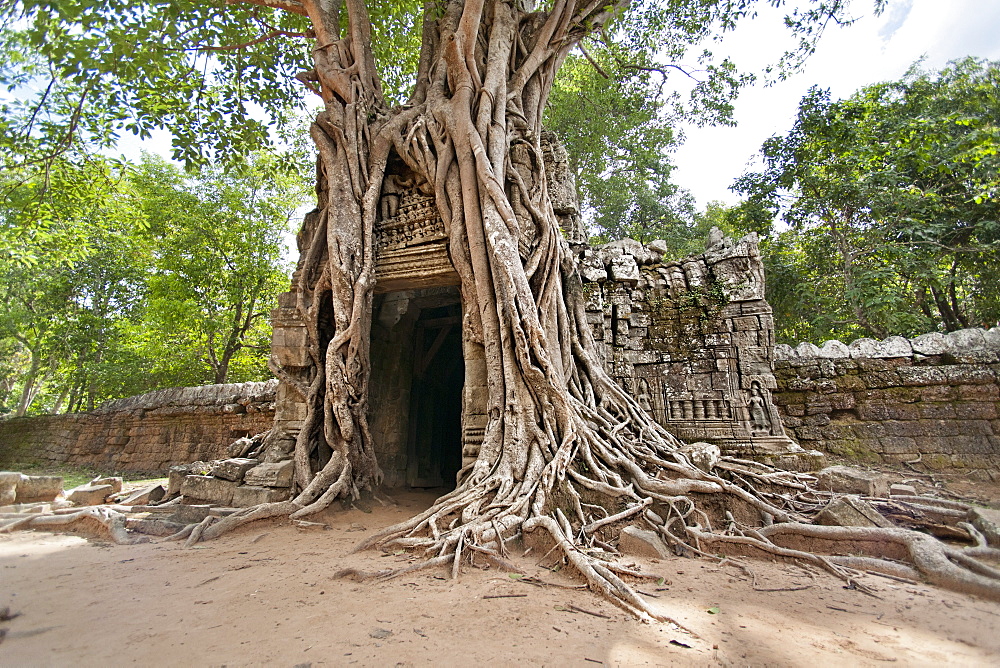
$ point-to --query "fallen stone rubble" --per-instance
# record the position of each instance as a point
(202, 492)
(193, 493)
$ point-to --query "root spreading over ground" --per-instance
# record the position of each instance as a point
(568, 457)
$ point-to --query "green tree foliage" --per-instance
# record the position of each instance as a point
(621, 164)
(70, 274)
(891, 197)
(224, 78)
(217, 267)
(617, 101)
(168, 283)
(83, 72)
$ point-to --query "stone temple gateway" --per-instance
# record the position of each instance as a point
(692, 340)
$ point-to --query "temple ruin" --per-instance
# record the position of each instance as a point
(692, 340)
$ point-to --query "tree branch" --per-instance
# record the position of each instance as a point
(262, 38)
(593, 62)
(288, 5)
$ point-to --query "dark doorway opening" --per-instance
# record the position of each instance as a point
(434, 450)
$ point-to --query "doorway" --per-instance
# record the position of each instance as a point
(434, 445)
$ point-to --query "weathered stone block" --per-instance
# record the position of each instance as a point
(32, 488)
(703, 455)
(190, 513)
(8, 487)
(641, 543)
(783, 352)
(175, 478)
(208, 488)
(975, 411)
(965, 340)
(833, 350)
(89, 495)
(116, 483)
(937, 411)
(233, 469)
(850, 480)
(897, 445)
(864, 348)
(987, 520)
(806, 351)
(851, 511)
(921, 375)
(271, 474)
(933, 343)
(896, 346)
(251, 495)
(624, 269)
(899, 489)
(144, 495)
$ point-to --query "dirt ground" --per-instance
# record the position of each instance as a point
(266, 595)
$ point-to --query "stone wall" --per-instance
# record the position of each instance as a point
(149, 432)
(935, 398)
(691, 340)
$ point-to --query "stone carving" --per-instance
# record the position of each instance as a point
(411, 242)
(414, 221)
(759, 419)
(562, 188)
(691, 340)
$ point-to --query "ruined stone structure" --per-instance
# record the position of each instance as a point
(934, 399)
(692, 341)
(687, 355)
(144, 433)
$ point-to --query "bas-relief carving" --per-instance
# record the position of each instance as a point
(692, 341)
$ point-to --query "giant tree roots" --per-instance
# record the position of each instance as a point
(100, 521)
(577, 521)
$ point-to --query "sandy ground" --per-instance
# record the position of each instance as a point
(265, 595)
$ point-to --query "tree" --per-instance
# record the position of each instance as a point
(121, 279)
(900, 182)
(217, 266)
(72, 265)
(562, 435)
(621, 165)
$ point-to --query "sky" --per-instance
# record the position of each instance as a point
(874, 49)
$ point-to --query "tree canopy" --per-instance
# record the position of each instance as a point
(129, 278)
(891, 196)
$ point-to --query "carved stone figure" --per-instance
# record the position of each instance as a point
(392, 187)
(642, 395)
(759, 421)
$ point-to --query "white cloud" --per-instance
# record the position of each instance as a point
(873, 49)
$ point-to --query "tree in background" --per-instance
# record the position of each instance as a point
(622, 161)
(126, 278)
(72, 268)
(217, 267)
(892, 197)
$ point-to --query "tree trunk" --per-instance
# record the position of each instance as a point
(30, 387)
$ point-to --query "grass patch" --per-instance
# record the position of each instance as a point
(74, 476)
